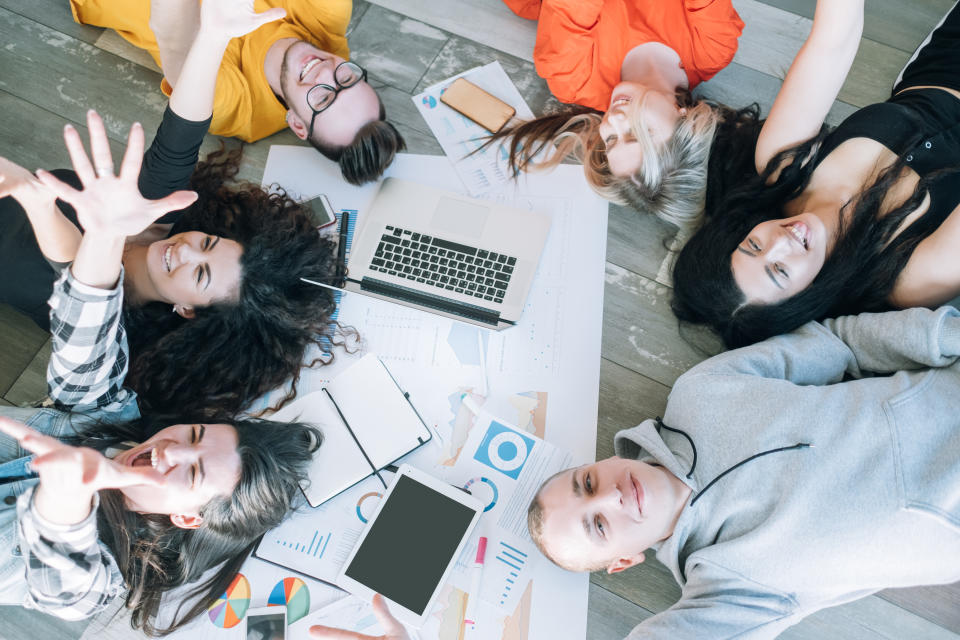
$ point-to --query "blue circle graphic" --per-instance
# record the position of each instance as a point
(493, 488)
(507, 450)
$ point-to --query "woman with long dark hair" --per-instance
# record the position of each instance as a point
(113, 500)
(629, 68)
(229, 267)
(863, 218)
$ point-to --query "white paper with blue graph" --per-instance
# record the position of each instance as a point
(503, 467)
(316, 541)
(482, 170)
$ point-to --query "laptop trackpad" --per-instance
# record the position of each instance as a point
(460, 217)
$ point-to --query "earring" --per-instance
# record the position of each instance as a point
(174, 308)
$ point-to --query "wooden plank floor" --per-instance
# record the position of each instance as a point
(52, 70)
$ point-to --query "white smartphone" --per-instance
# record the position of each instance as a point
(320, 211)
(409, 547)
(266, 623)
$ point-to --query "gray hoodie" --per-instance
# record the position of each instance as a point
(843, 487)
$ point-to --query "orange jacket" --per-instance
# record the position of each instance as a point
(581, 43)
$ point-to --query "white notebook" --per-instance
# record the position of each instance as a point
(367, 423)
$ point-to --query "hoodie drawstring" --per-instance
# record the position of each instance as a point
(661, 425)
(693, 465)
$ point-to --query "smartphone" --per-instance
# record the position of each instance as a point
(320, 212)
(488, 111)
(266, 623)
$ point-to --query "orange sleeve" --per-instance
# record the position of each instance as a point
(566, 53)
(529, 9)
(714, 28)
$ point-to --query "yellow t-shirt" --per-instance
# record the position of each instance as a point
(245, 105)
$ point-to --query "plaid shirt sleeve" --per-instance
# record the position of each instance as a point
(89, 361)
(70, 573)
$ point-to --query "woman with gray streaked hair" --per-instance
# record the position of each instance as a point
(651, 147)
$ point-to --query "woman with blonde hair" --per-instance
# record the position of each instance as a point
(651, 148)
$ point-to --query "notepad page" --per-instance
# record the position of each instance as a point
(338, 464)
(377, 411)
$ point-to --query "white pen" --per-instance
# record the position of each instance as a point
(323, 284)
(476, 572)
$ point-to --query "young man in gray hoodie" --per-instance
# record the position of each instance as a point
(783, 478)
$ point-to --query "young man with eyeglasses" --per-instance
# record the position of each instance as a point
(292, 72)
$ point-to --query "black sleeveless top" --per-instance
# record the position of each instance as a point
(921, 126)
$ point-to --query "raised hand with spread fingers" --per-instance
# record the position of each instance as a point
(235, 18)
(110, 204)
(109, 207)
(70, 476)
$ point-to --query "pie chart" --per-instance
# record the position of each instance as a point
(229, 609)
(293, 593)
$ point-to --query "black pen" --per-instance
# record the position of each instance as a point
(342, 248)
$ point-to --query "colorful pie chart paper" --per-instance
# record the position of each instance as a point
(293, 593)
(228, 610)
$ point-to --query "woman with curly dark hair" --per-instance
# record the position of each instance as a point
(243, 346)
(113, 500)
(863, 218)
(229, 266)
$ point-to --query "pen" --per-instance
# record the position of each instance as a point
(476, 571)
(342, 247)
(323, 284)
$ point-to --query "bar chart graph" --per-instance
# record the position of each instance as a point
(317, 546)
(514, 561)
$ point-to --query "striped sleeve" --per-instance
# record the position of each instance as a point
(89, 360)
(70, 574)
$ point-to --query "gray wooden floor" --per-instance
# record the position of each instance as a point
(52, 70)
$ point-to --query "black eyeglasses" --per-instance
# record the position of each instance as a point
(321, 96)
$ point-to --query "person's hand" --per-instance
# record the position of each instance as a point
(110, 204)
(18, 182)
(76, 470)
(394, 629)
(234, 18)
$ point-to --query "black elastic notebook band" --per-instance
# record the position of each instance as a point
(406, 396)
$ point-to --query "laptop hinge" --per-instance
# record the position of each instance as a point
(431, 301)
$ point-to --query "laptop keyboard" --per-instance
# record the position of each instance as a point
(446, 265)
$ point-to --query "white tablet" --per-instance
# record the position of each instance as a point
(406, 552)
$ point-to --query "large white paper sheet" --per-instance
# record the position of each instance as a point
(482, 170)
(541, 376)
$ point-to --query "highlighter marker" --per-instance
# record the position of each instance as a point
(476, 571)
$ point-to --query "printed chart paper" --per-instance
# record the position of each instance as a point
(480, 170)
(539, 378)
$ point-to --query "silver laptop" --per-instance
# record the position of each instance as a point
(447, 254)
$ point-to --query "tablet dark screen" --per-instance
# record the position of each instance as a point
(411, 543)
